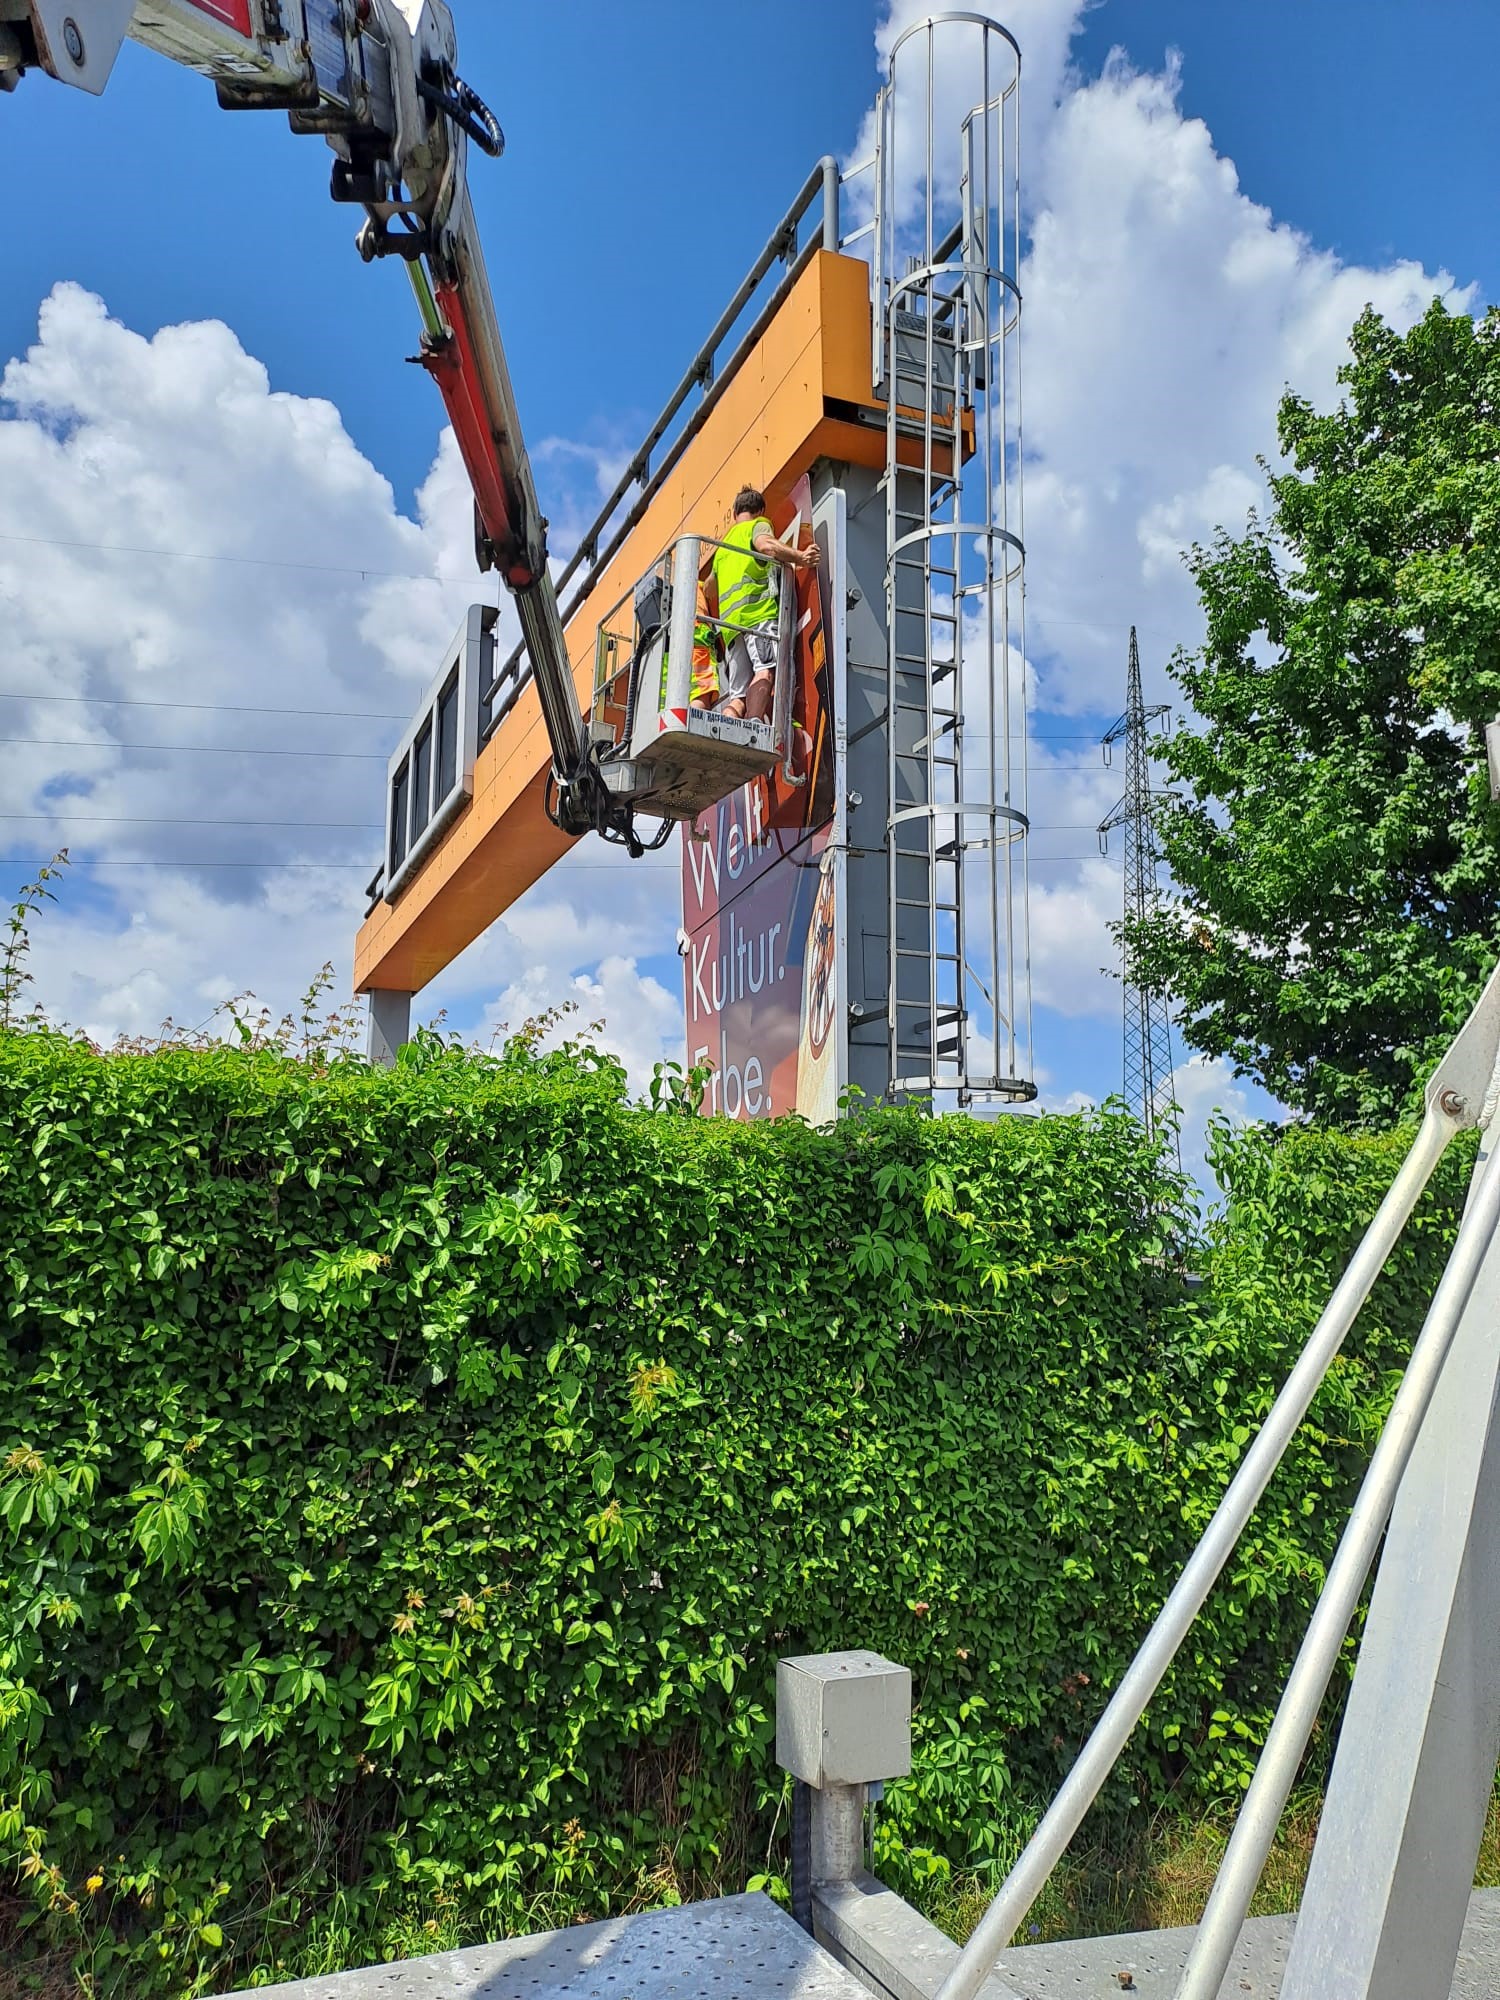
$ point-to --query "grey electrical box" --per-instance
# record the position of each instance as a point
(1492, 751)
(843, 1718)
(912, 335)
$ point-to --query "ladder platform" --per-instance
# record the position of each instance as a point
(736, 1948)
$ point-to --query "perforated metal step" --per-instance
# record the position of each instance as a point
(738, 1948)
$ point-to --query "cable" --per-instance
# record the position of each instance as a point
(148, 819)
(274, 867)
(212, 707)
(200, 749)
(270, 867)
(395, 575)
(347, 756)
(388, 715)
(198, 555)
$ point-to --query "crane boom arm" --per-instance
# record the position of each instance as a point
(377, 79)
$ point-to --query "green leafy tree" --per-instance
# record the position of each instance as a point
(1332, 840)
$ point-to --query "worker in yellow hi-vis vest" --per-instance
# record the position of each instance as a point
(747, 603)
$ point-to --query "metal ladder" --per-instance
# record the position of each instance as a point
(926, 1007)
(958, 1001)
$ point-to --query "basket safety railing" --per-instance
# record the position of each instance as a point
(623, 639)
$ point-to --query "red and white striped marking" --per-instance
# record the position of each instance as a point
(232, 13)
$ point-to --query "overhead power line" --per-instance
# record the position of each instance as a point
(213, 556)
(1044, 624)
(392, 715)
(189, 861)
(347, 756)
(202, 749)
(157, 819)
(210, 707)
(363, 867)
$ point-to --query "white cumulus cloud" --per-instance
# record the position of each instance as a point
(216, 620)
(1205, 1089)
(175, 531)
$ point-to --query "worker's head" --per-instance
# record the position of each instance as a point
(749, 502)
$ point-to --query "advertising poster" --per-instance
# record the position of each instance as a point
(759, 898)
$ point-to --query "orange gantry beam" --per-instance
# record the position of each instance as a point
(801, 394)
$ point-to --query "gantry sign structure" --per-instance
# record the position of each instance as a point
(854, 907)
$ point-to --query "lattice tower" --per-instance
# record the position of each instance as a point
(1148, 1027)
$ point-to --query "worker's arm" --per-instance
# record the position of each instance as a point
(766, 544)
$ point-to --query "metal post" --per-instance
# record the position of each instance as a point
(390, 1026)
(829, 168)
(1461, 1093)
(1255, 1827)
(838, 1833)
(1455, 1099)
(1143, 1676)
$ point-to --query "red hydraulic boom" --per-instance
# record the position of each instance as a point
(378, 79)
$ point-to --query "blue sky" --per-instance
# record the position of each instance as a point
(1370, 127)
(650, 151)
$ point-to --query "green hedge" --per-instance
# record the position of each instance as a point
(410, 1480)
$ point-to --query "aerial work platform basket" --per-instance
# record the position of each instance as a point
(663, 741)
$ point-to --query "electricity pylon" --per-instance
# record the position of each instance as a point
(1148, 1029)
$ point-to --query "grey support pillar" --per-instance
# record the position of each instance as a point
(390, 1026)
(861, 723)
(843, 1724)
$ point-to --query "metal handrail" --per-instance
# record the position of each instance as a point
(1456, 1099)
(1297, 1713)
(704, 372)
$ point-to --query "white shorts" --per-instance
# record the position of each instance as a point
(749, 653)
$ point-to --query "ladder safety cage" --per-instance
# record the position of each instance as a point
(663, 744)
(946, 338)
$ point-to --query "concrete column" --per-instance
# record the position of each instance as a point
(390, 1026)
